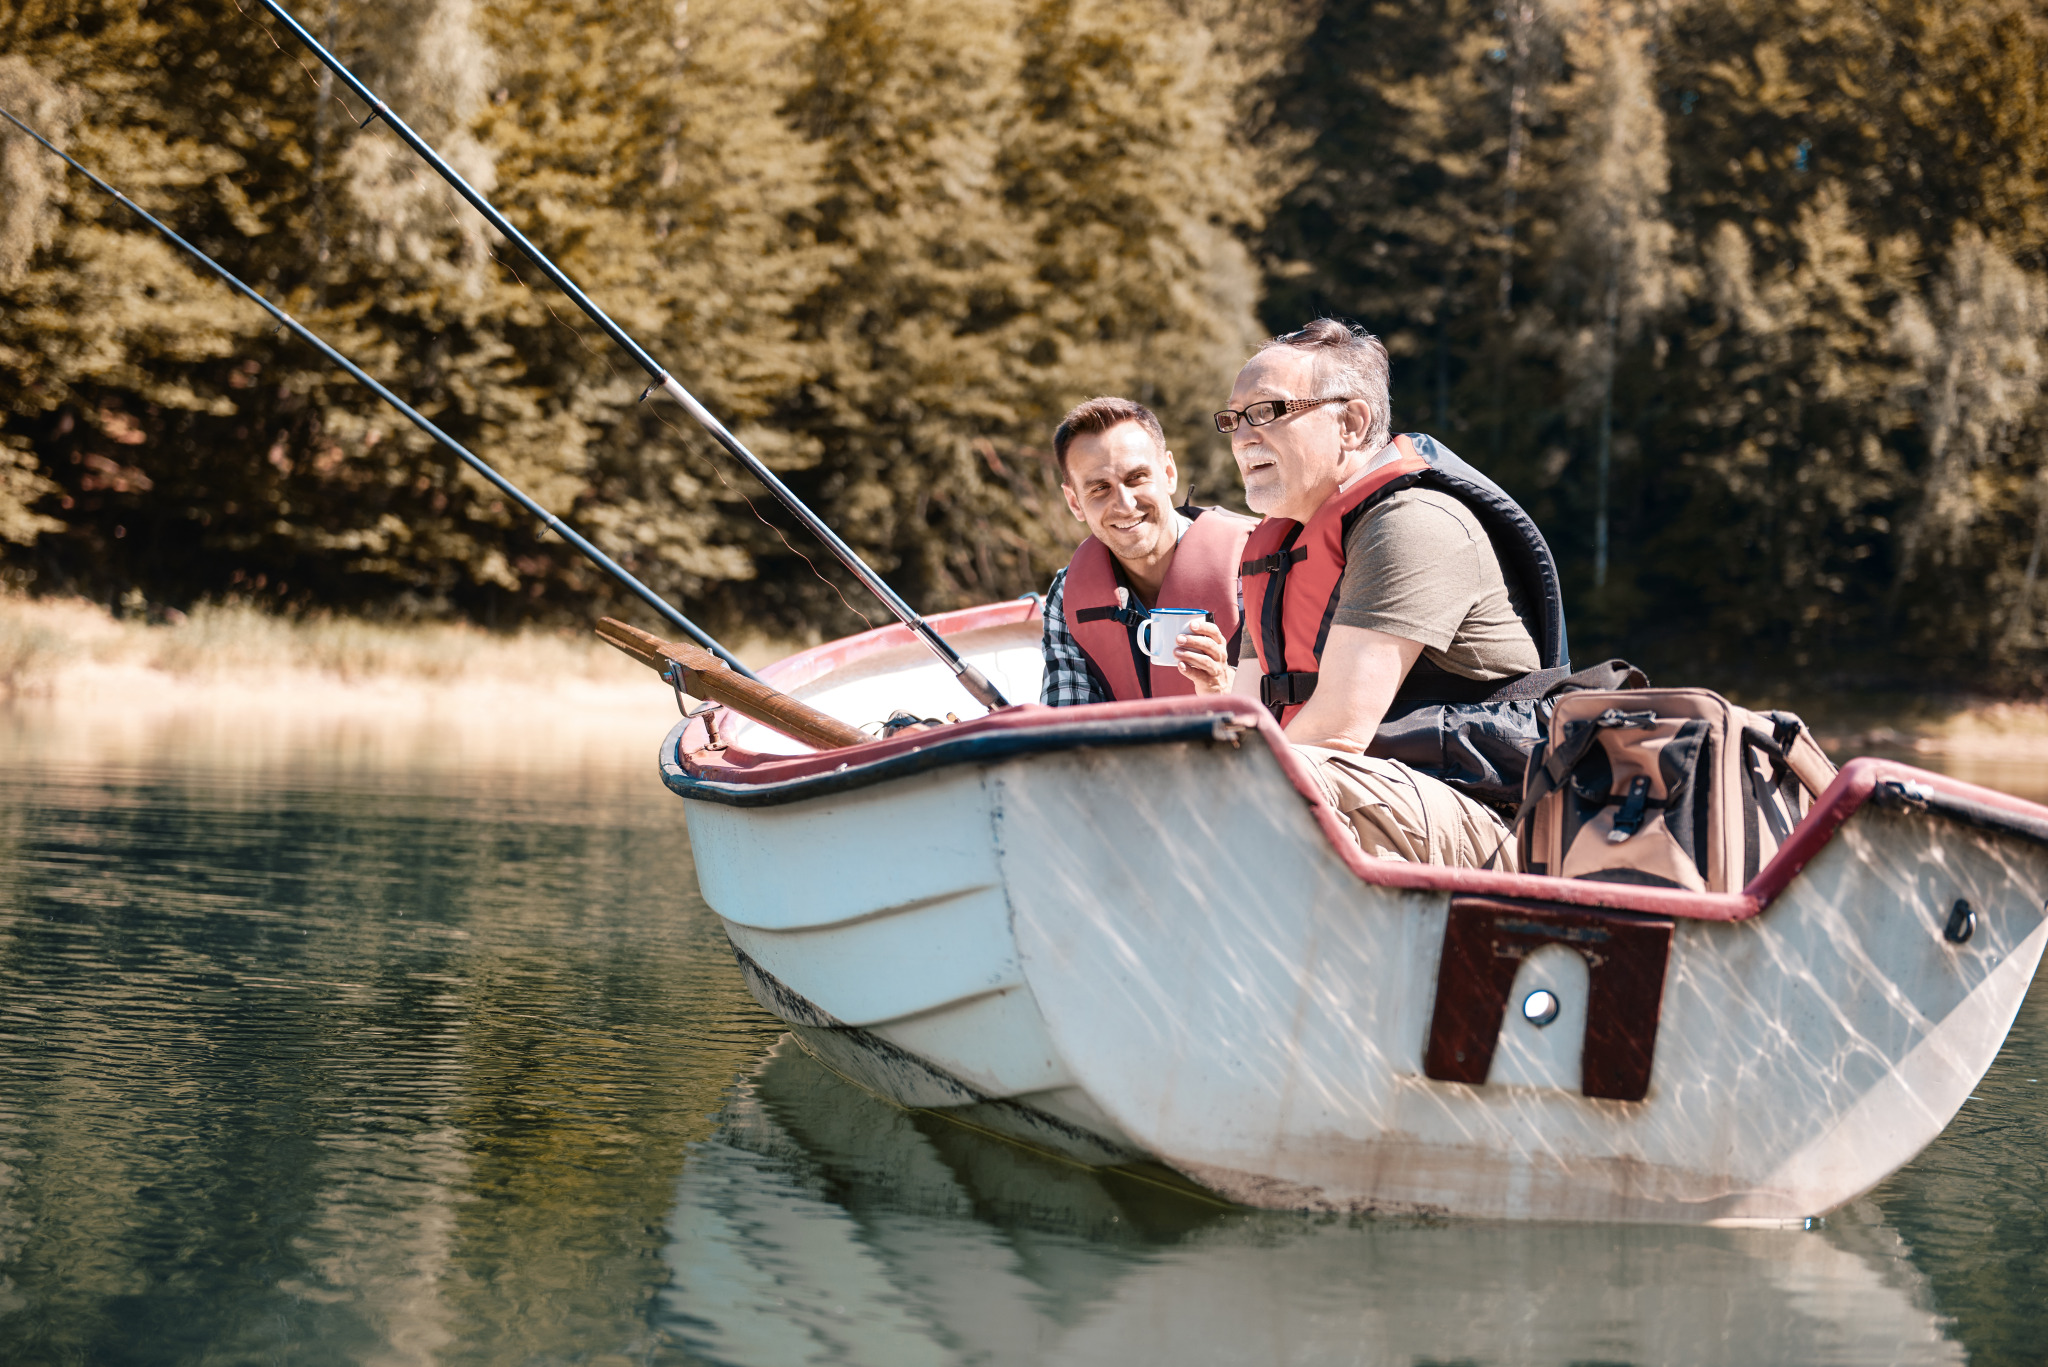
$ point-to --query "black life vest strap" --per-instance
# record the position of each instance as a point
(1272, 642)
(1130, 617)
(1276, 563)
(1285, 690)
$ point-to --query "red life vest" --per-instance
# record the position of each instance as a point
(1291, 575)
(1203, 575)
(1473, 734)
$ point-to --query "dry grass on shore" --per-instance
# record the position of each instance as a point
(2010, 731)
(48, 643)
(42, 642)
(230, 685)
(79, 649)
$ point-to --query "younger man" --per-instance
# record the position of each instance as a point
(1141, 553)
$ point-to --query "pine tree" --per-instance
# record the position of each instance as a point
(1611, 271)
(1820, 179)
(207, 457)
(1426, 210)
(29, 178)
(1132, 165)
(1028, 205)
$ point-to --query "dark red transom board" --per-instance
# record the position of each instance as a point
(1485, 942)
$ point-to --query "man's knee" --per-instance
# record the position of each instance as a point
(1397, 813)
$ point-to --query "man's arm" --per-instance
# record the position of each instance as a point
(1412, 573)
(1068, 679)
(1360, 671)
(1246, 684)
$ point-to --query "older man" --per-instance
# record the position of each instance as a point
(1402, 606)
(1141, 553)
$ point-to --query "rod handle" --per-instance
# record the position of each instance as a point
(985, 693)
(707, 676)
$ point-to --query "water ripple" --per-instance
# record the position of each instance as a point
(340, 1063)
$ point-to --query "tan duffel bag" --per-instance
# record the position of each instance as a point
(1672, 787)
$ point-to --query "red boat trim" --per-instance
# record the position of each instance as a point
(737, 777)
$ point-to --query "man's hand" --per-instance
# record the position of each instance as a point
(1203, 655)
(1361, 669)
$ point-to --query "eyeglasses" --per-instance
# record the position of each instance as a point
(1270, 410)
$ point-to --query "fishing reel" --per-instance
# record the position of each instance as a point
(900, 721)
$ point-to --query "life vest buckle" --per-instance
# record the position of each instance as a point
(1285, 690)
(1274, 563)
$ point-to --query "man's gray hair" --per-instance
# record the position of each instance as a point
(1350, 363)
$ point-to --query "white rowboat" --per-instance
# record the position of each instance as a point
(1132, 933)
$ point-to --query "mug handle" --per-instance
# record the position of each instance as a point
(1144, 638)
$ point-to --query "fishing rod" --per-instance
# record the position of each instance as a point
(506, 486)
(971, 678)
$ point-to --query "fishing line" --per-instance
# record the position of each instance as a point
(301, 65)
(682, 438)
(505, 486)
(815, 571)
(969, 677)
(447, 205)
(582, 339)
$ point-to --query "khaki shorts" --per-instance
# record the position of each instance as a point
(1396, 813)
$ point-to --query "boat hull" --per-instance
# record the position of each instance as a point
(1250, 1012)
(1132, 933)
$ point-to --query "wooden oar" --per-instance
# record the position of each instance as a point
(707, 676)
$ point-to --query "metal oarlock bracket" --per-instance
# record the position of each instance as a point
(673, 672)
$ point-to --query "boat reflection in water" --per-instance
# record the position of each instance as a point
(822, 1225)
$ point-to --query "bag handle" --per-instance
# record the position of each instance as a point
(1549, 771)
(1781, 743)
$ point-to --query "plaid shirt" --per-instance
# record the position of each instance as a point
(1069, 677)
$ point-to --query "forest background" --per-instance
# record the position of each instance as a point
(1745, 299)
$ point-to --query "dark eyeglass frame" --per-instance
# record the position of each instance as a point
(1273, 409)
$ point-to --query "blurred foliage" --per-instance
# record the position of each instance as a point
(1746, 300)
(887, 243)
(1784, 260)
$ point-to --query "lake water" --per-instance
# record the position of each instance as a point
(345, 1049)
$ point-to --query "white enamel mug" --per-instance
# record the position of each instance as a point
(1159, 633)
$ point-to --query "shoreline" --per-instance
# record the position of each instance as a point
(70, 661)
(230, 686)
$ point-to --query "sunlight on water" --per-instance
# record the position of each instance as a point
(412, 1052)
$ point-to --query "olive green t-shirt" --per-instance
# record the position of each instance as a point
(1419, 566)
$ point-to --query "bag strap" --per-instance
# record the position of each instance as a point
(1579, 737)
(1610, 676)
(1427, 682)
(1551, 766)
(1782, 744)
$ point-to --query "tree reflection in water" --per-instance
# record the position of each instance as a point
(334, 1052)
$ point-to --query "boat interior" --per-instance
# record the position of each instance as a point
(865, 679)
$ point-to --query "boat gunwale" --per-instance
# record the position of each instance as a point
(793, 672)
(695, 769)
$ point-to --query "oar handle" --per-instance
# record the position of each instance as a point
(707, 676)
